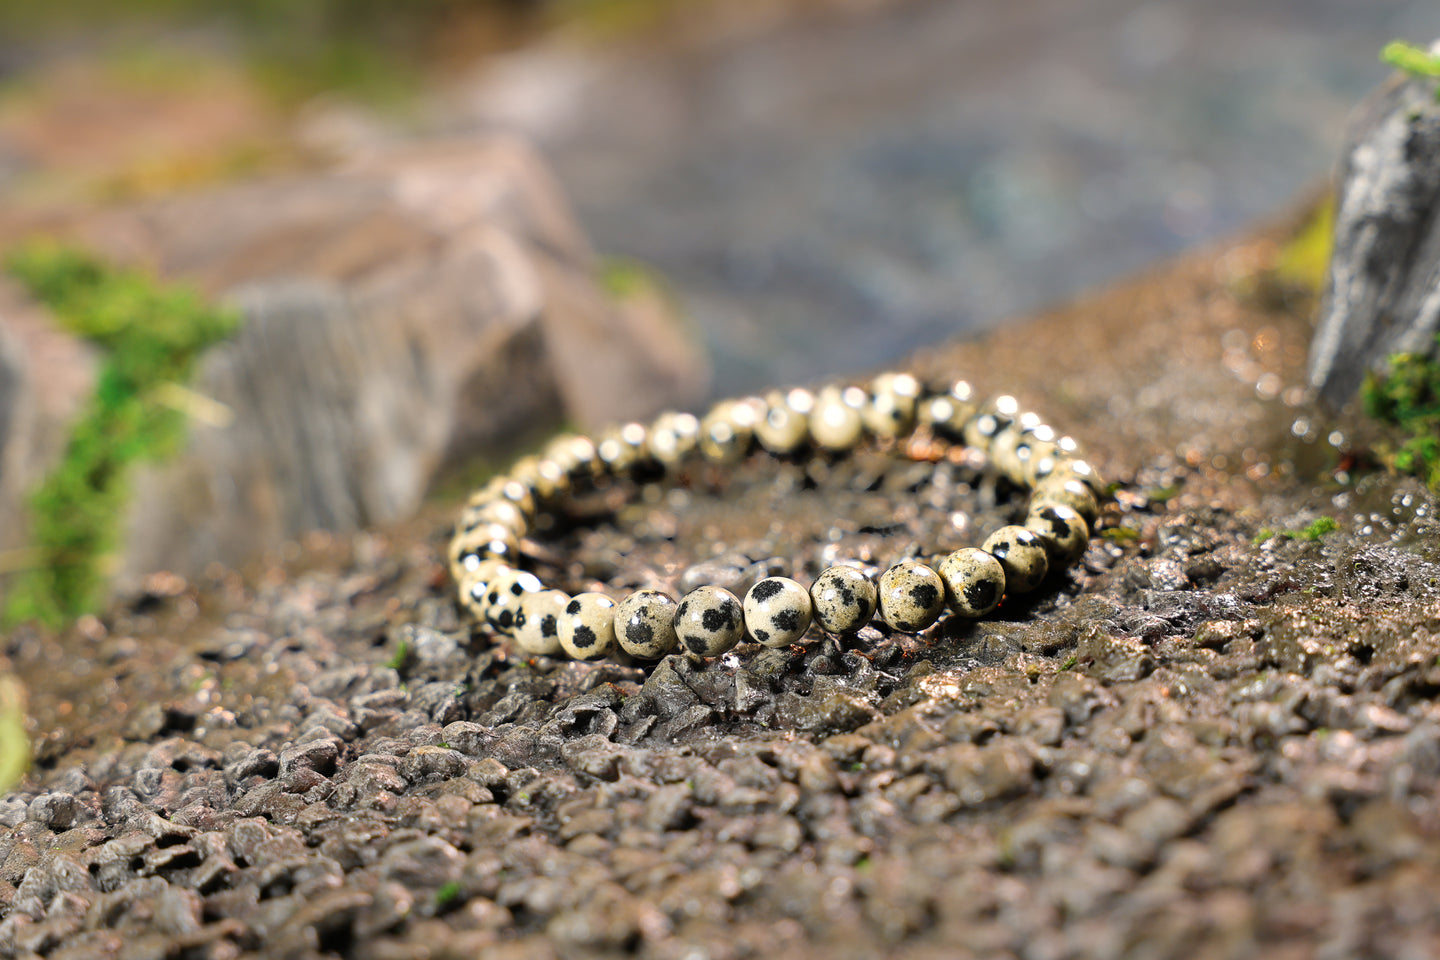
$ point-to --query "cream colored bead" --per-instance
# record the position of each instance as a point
(537, 623)
(474, 584)
(1068, 467)
(709, 621)
(777, 611)
(890, 411)
(1022, 553)
(674, 437)
(1065, 533)
(974, 581)
(502, 600)
(786, 423)
(727, 431)
(1068, 491)
(1010, 447)
(622, 448)
(587, 628)
(504, 512)
(844, 599)
(981, 429)
(836, 424)
(645, 624)
(483, 542)
(508, 488)
(948, 413)
(575, 454)
(912, 596)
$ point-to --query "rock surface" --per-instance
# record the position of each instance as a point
(1380, 297)
(1201, 742)
(407, 309)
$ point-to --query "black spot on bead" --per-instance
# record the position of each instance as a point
(506, 619)
(980, 594)
(516, 588)
(639, 633)
(1050, 514)
(573, 607)
(1002, 549)
(584, 637)
(925, 594)
(494, 596)
(786, 621)
(548, 627)
(696, 645)
(762, 635)
(846, 594)
(718, 618)
(684, 606)
(766, 589)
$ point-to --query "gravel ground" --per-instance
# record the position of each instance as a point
(1198, 743)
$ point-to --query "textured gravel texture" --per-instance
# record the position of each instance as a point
(1193, 745)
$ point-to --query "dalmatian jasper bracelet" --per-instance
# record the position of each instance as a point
(777, 611)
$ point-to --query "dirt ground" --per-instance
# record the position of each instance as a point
(1216, 737)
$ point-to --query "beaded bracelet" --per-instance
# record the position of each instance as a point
(777, 611)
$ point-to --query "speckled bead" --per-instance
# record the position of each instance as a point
(537, 623)
(575, 454)
(777, 611)
(1067, 464)
(508, 488)
(709, 621)
(890, 411)
(974, 581)
(1010, 448)
(1063, 531)
(727, 431)
(844, 599)
(673, 437)
(981, 429)
(1070, 492)
(475, 584)
(786, 423)
(622, 448)
(948, 413)
(1022, 553)
(587, 628)
(912, 596)
(504, 512)
(645, 624)
(483, 542)
(502, 600)
(835, 423)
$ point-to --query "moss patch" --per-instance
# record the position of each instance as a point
(1416, 61)
(1408, 396)
(150, 336)
(14, 745)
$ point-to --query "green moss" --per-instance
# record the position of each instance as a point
(1416, 61)
(1310, 532)
(1408, 396)
(447, 894)
(149, 338)
(1305, 259)
(398, 658)
(14, 745)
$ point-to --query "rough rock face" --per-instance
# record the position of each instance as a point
(398, 312)
(1385, 270)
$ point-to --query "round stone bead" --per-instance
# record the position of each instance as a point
(508, 488)
(948, 413)
(475, 584)
(974, 581)
(727, 431)
(891, 410)
(1069, 492)
(786, 423)
(835, 424)
(645, 624)
(777, 611)
(587, 628)
(1065, 464)
(844, 599)
(483, 542)
(1022, 553)
(912, 596)
(1063, 531)
(709, 621)
(1010, 447)
(502, 600)
(504, 512)
(537, 624)
(575, 454)
(673, 437)
(982, 428)
(621, 448)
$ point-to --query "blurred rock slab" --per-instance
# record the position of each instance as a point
(399, 313)
(1381, 297)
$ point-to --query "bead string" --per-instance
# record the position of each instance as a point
(776, 611)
